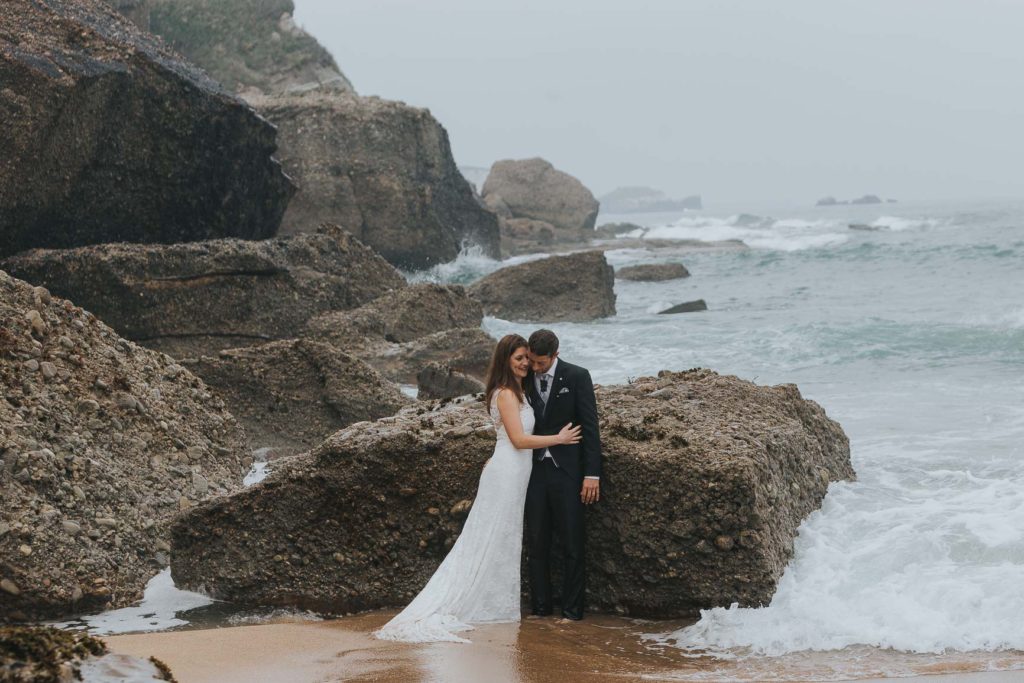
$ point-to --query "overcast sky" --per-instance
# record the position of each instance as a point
(786, 100)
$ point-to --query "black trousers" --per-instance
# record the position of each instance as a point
(553, 504)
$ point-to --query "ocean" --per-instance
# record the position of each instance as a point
(909, 331)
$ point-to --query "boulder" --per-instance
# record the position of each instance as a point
(252, 47)
(686, 307)
(292, 394)
(45, 653)
(109, 136)
(467, 350)
(646, 200)
(101, 443)
(653, 272)
(574, 288)
(533, 188)
(399, 316)
(197, 298)
(439, 380)
(384, 171)
(615, 230)
(706, 480)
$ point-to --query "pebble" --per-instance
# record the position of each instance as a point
(66, 342)
(25, 550)
(71, 528)
(36, 321)
(724, 542)
(106, 521)
(31, 365)
(88, 405)
(200, 484)
(8, 586)
(42, 294)
(78, 492)
(48, 369)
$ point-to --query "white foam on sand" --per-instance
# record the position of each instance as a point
(119, 668)
(160, 604)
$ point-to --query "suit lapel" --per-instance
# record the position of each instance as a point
(556, 385)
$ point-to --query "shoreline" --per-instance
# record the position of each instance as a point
(533, 651)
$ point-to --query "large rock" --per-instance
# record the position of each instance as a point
(652, 272)
(576, 288)
(292, 394)
(467, 350)
(252, 47)
(439, 380)
(384, 171)
(109, 136)
(101, 443)
(533, 188)
(706, 480)
(399, 316)
(194, 299)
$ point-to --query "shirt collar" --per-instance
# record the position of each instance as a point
(551, 370)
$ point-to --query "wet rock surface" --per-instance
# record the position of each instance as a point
(196, 299)
(439, 380)
(533, 188)
(686, 307)
(573, 288)
(101, 443)
(382, 170)
(399, 316)
(466, 349)
(706, 480)
(652, 272)
(109, 136)
(33, 653)
(292, 394)
(252, 47)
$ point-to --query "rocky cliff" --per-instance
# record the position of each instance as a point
(110, 137)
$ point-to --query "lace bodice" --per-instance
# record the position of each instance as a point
(525, 416)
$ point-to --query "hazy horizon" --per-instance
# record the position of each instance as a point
(792, 101)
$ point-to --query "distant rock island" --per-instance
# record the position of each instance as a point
(645, 200)
(866, 199)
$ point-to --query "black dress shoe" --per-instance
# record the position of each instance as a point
(541, 612)
(573, 616)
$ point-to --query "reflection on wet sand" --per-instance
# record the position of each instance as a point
(534, 651)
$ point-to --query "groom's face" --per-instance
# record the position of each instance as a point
(541, 364)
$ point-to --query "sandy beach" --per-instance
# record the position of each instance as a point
(535, 651)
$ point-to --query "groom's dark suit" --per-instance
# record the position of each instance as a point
(553, 496)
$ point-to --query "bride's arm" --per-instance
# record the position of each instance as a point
(508, 408)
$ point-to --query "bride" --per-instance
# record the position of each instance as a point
(479, 579)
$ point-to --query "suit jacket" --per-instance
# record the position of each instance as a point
(571, 399)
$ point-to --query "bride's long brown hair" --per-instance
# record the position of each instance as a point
(499, 374)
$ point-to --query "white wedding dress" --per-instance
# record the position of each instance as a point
(478, 582)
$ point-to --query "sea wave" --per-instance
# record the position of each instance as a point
(470, 265)
(758, 232)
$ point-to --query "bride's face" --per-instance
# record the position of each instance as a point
(519, 362)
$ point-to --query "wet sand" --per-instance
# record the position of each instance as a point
(535, 651)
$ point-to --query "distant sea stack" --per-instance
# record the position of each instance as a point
(111, 137)
(645, 200)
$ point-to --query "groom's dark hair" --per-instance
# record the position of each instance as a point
(543, 343)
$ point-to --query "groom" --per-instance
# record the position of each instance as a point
(564, 478)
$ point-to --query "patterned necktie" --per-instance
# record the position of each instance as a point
(543, 385)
